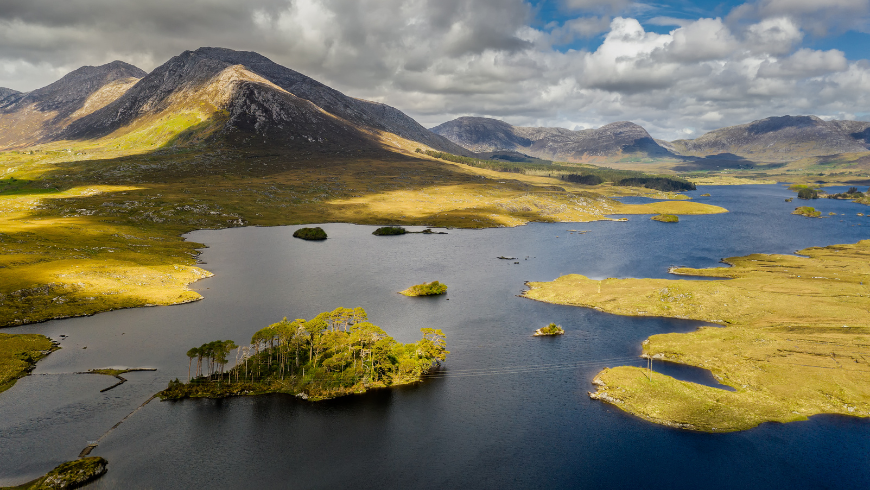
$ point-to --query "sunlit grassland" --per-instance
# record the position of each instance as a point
(795, 339)
(18, 355)
(93, 226)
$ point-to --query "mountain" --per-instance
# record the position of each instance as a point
(245, 96)
(6, 92)
(482, 134)
(615, 140)
(780, 139)
(41, 115)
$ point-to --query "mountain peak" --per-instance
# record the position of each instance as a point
(42, 114)
(260, 96)
(483, 134)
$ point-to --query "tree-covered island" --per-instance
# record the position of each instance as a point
(334, 354)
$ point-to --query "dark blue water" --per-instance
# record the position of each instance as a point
(510, 410)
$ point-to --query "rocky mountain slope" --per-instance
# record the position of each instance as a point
(612, 141)
(238, 91)
(482, 134)
(781, 139)
(41, 115)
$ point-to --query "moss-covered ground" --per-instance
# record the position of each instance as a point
(794, 339)
(72, 474)
(18, 356)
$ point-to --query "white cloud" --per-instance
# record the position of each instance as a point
(815, 16)
(773, 36)
(439, 59)
(804, 63)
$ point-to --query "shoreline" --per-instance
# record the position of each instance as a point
(767, 347)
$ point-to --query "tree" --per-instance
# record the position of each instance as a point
(193, 352)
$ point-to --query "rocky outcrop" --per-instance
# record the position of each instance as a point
(73, 474)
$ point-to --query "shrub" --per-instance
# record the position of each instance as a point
(807, 193)
(316, 233)
(433, 288)
(551, 329)
(585, 179)
(390, 230)
(666, 218)
(807, 211)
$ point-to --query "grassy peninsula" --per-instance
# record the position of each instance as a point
(334, 354)
(72, 474)
(794, 340)
(18, 356)
(433, 288)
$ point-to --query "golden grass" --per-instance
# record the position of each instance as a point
(18, 355)
(670, 207)
(84, 230)
(796, 340)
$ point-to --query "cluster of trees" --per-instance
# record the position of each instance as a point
(851, 193)
(497, 165)
(333, 353)
(667, 184)
(807, 193)
(213, 353)
(584, 179)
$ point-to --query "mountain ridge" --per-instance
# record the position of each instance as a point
(614, 140)
(216, 76)
(28, 118)
(772, 139)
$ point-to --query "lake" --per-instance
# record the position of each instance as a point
(508, 410)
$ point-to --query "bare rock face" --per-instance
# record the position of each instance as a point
(284, 101)
(612, 140)
(41, 115)
(7, 92)
(783, 138)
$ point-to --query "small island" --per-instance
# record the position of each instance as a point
(666, 218)
(389, 231)
(433, 288)
(398, 230)
(706, 194)
(315, 233)
(72, 474)
(551, 329)
(807, 211)
(334, 354)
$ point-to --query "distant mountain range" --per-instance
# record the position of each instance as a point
(615, 140)
(775, 139)
(240, 95)
(243, 97)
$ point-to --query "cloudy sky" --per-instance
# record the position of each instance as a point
(677, 67)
